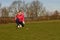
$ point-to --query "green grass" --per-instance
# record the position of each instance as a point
(49, 30)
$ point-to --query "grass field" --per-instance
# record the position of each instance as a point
(47, 30)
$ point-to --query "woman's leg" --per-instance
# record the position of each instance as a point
(17, 22)
(21, 23)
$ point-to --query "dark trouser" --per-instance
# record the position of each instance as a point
(18, 22)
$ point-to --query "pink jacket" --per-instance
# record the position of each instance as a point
(20, 17)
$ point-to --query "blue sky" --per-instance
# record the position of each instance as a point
(50, 5)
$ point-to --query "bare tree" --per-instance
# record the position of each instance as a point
(35, 9)
(16, 6)
(0, 5)
(5, 12)
(0, 9)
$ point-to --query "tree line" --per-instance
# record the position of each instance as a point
(32, 11)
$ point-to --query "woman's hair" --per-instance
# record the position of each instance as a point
(20, 10)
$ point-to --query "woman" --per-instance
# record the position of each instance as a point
(20, 19)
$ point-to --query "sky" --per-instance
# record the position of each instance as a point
(50, 5)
